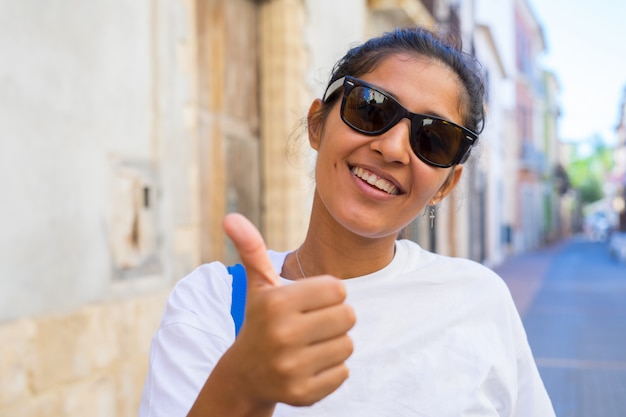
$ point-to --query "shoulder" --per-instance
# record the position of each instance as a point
(417, 257)
(461, 273)
(195, 331)
(205, 292)
(466, 287)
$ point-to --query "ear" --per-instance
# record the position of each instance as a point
(315, 123)
(448, 185)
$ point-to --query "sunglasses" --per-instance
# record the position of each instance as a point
(371, 111)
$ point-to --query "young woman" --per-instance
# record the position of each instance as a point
(355, 322)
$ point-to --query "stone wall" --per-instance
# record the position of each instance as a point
(89, 362)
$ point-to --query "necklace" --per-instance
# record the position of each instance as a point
(298, 261)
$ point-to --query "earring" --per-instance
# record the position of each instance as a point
(432, 216)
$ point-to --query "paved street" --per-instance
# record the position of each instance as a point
(572, 298)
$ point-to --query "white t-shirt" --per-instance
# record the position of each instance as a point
(435, 336)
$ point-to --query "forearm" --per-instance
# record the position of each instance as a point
(222, 395)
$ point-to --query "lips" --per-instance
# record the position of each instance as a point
(375, 180)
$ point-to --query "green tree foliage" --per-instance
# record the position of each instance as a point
(587, 170)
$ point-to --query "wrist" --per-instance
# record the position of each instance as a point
(223, 394)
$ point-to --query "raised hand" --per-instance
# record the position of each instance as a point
(293, 344)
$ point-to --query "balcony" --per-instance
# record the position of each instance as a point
(532, 159)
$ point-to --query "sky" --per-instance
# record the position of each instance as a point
(586, 49)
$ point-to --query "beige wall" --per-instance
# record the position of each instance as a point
(98, 152)
(98, 177)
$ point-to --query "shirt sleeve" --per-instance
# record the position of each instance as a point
(532, 397)
(195, 331)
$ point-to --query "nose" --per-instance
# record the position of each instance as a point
(393, 145)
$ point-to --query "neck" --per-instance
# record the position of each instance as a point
(329, 248)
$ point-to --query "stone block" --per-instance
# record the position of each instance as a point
(62, 351)
(45, 405)
(148, 313)
(16, 351)
(129, 380)
(93, 397)
(105, 327)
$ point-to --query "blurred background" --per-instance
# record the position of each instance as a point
(129, 128)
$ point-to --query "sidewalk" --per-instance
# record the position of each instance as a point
(525, 273)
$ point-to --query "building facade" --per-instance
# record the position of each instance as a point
(618, 175)
(129, 129)
(528, 224)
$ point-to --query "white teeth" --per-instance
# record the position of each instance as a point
(374, 180)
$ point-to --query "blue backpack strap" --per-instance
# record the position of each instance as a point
(238, 303)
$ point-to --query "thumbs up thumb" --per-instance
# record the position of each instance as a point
(252, 250)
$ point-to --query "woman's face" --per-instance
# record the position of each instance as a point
(404, 184)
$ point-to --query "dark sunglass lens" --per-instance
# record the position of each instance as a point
(436, 141)
(368, 110)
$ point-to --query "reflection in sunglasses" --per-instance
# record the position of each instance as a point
(371, 111)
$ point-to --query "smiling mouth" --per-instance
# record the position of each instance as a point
(375, 181)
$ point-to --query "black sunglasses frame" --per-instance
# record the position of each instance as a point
(349, 83)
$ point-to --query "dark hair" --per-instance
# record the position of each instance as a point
(366, 57)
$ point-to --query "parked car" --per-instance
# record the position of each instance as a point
(598, 226)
